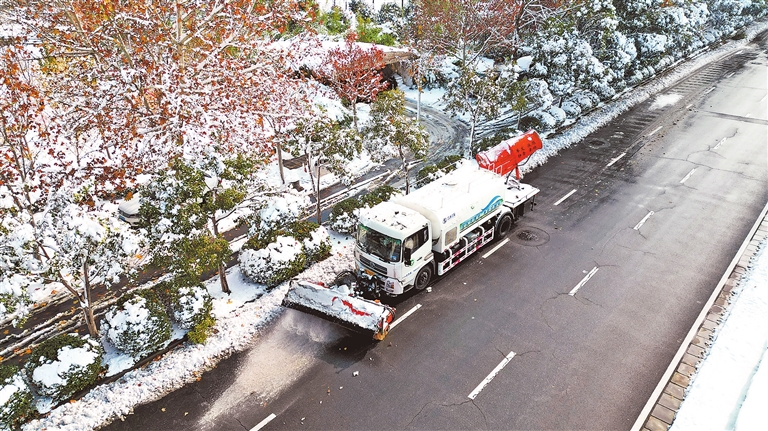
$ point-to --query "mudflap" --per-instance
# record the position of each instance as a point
(338, 304)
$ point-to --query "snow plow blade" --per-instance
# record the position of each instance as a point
(339, 306)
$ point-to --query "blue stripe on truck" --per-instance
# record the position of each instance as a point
(495, 202)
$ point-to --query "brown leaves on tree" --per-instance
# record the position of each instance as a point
(355, 73)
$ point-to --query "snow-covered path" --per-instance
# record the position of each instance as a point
(730, 389)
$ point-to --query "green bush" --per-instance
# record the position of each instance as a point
(530, 122)
(378, 195)
(343, 219)
(138, 323)
(46, 370)
(431, 172)
(448, 163)
(279, 261)
(199, 333)
(369, 32)
(18, 407)
(426, 173)
(189, 305)
(317, 244)
(334, 21)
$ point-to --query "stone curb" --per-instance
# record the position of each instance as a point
(663, 411)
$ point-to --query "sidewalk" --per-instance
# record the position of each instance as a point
(664, 404)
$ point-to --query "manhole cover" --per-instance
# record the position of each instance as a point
(596, 143)
(530, 236)
(527, 235)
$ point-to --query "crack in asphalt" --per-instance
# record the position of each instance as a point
(241, 424)
(637, 250)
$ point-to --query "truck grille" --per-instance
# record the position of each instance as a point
(375, 267)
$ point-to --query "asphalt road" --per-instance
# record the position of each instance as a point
(663, 198)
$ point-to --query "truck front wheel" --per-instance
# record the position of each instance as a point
(503, 225)
(423, 277)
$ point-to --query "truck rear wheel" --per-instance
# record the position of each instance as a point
(423, 277)
(503, 225)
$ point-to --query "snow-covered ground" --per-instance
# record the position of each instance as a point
(730, 389)
(250, 308)
(240, 316)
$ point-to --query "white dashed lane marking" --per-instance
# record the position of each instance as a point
(565, 197)
(490, 377)
(583, 281)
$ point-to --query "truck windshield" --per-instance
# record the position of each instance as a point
(376, 243)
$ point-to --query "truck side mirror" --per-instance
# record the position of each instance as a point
(407, 257)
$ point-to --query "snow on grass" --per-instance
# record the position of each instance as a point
(734, 369)
(240, 316)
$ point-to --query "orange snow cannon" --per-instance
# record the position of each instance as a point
(507, 155)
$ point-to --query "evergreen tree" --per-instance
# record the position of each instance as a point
(393, 134)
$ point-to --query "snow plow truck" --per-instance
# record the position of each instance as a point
(404, 242)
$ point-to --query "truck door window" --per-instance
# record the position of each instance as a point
(415, 241)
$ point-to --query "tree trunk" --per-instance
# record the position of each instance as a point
(319, 217)
(354, 115)
(222, 268)
(280, 162)
(90, 321)
(223, 279)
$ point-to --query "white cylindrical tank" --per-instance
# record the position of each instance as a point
(458, 200)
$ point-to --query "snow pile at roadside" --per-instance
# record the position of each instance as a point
(239, 319)
(730, 389)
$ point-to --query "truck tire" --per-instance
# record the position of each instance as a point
(423, 277)
(503, 225)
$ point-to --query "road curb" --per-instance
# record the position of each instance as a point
(662, 406)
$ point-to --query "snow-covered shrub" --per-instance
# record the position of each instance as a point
(571, 109)
(275, 263)
(432, 172)
(316, 242)
(138, 324)
(584, 101)
(343, 217)
(15, 398)
(537, 92)
(538, 120)
(63, 365)
(558, 114)
(603, 90)
(650, 47)
(189, 305)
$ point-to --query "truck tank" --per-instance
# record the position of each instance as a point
(456, 202)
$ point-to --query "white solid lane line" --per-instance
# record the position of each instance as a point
(492, 375)
(642, 222)
(685, 178)
(401, 318)
(500, 245)
(653, 132)
(264, 422)
(722, 141)
(583, 281)
(615, 160)
(565, 197)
